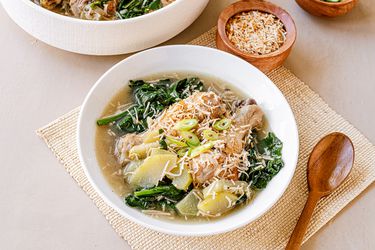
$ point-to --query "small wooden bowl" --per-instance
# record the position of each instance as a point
(266, 62)
(327, 9)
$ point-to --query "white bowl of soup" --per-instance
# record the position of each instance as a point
(188, 140)
(96, 29)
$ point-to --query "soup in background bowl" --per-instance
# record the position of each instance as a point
(104, 10)
(216, 195)
(111, 37)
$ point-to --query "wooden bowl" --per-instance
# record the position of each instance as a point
(327, 9)
(265, 62)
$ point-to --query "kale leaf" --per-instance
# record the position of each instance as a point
(265, 161)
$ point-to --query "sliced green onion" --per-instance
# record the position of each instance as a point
(223, 124)
(186, 124)
(201, 149)
(210, 135)
(191, 139)
(107, 120)
(182, 152)
(175, 141)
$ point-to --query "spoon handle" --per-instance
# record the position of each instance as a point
(296, 238)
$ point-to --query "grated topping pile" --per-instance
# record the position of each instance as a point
(256, 32)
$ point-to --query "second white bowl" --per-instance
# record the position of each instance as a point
(104, 37)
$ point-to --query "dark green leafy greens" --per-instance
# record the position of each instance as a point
(133, 8)
(162, 197)
(150, 98)
(162, 142)
(98, 3)
(265, 161)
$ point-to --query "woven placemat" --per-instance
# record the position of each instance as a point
(272, 230)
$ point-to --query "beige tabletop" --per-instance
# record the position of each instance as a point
(41, 207)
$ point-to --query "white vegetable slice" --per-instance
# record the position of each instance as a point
(182, 181)
(153, 170)
(151, 136)
(141, 151)
(159, 151)
(219, 204)
(130, 168)
(188, 205)
(235, 187)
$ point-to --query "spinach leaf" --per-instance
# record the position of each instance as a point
(151, 98)
(162, 197)
(133, 8)
(163, 144)
(168, 191)
(265, 161)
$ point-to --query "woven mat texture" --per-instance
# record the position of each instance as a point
(271, 231)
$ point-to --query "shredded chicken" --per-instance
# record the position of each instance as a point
(124, 144)
(166, 2)
(111, 7)
(205, 165)
(246, 118)
(50, 4)
(203, 106)
(207, 107)
(245, 102)
(83, 9)
(77, 6)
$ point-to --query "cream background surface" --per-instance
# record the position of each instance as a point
(42, 208)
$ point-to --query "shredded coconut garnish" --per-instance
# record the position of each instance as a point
(256, 32)
(156, 213)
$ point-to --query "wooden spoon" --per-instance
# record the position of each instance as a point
(329, 164)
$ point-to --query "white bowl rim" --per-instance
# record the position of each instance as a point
(170, 230)
(53, 14)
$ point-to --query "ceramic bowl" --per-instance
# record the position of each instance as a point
(104, 37)
(327, 9)
(203, 61)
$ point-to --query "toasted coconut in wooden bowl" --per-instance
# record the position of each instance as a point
(326, 8)
(257, 31)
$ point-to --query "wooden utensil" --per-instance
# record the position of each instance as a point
(329, 164)
(266, 62)
(328, 9)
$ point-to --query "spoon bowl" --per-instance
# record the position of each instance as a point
(330, 163)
